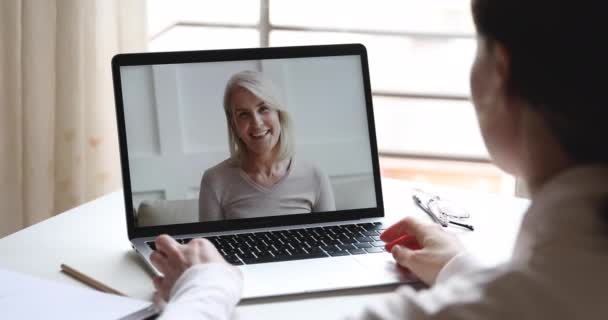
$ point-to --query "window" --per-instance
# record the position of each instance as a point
(420, 53)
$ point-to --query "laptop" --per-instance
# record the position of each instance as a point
(316, 228)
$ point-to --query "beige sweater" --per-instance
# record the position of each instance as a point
(559, 269)
(227, 192)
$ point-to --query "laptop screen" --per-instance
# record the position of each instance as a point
(240, 140)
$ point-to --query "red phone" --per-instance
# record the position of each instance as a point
(405, 240)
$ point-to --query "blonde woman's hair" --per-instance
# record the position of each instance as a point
(258, 85)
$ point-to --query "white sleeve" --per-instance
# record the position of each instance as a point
(205, 291)
(461, 263)
(498, 293)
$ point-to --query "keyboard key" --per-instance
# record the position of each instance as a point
(366, 226)
(317, 232)
(263, 254)
(312, 244)
(227, 252)
(346, 246)
(378, 226)
(294, 242)
(330, 249)
(216, 242)
(246, 255)
(335, 229)
(353, 229)
(339, 253)
(233, 260)
(378, 244)
(374, 249)
(330, 242)
(348, 241)
(370, 233)
(364, 239)
(314, 250)
(297, 250)
(363, 245)
(357, 251)
(285, 258)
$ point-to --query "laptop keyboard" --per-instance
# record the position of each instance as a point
(297, 244)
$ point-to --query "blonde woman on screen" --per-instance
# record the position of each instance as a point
(262, 177)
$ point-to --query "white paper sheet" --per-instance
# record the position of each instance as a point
(26, 297)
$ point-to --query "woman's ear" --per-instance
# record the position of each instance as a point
(502, 63)
(231, 120)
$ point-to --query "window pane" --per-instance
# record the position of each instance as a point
(202, 38)
(436, 16)
(402, 64)
(428, 127)
(481, 177)
(162, 13)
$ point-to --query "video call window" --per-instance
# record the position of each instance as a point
(197, 132)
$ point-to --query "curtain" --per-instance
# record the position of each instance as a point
(58, 139)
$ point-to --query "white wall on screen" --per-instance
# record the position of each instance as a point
(201, 93)
(326, 100)
(138, 97)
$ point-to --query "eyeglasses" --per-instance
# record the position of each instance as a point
(442, 211)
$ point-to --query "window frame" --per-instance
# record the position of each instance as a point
(264, 27)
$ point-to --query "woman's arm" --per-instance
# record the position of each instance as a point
(209, 208)
(499, 294)
(197, 282)
(205, 291)
(325, 196)
(212, 290)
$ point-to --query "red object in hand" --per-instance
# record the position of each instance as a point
(405, 240)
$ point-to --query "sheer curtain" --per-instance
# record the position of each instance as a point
(58, 142)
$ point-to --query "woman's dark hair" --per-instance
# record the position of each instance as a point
(559, 64)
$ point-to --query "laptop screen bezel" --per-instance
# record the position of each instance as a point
(181, 57)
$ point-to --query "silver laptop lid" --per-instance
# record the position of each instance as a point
(190, 122)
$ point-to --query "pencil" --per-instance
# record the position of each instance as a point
(88, 280)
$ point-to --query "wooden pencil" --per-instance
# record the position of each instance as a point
(88, 280)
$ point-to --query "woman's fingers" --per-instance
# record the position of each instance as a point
(162, 288)
(439, 247)
(403, 255)
(166, 245)
(407, 225)
(205, 251)
(159, 261)
(171, 249)
(414, 260)
(157, 281)
(172, 259)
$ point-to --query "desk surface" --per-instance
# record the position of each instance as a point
(93, 239)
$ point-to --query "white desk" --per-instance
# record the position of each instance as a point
(93, 239)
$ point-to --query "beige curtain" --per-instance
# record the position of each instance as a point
(58, 141)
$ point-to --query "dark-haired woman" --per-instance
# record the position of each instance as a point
(538, 89)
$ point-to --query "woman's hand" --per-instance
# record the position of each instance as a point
(438, 247)
(172, 259)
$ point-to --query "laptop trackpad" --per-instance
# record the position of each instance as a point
(302, 276)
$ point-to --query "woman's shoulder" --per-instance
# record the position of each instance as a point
(220, 171)
(306, 167)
